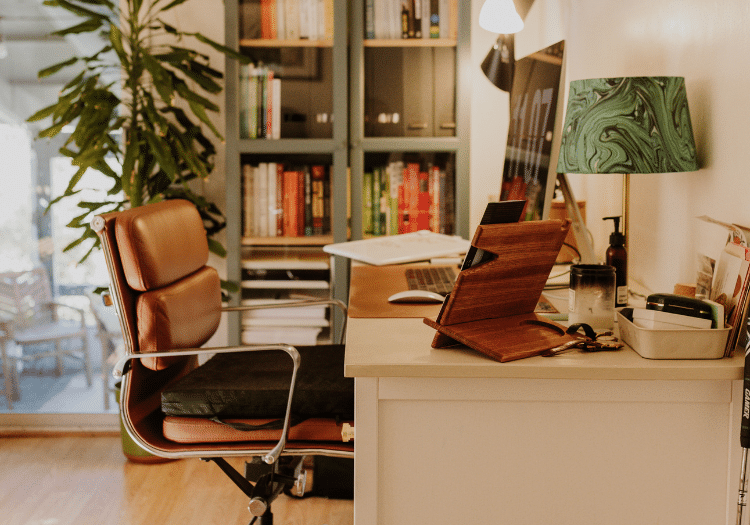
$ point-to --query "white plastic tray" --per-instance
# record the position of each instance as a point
(684, 343)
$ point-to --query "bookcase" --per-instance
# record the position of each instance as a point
(333, 89)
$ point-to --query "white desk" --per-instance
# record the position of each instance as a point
(450, 436)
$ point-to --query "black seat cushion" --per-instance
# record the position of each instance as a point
(255, 385)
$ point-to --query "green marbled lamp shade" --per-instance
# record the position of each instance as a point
(627, 125)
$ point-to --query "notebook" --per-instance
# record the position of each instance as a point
(405, 248)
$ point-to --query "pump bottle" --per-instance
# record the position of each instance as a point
(617, 256)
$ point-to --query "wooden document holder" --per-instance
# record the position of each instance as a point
(491, 307)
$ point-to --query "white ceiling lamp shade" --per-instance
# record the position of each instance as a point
(500, 16)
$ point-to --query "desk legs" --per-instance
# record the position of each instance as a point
(366, 451)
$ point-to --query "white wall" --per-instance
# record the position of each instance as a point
(207, 17)
(708, 43)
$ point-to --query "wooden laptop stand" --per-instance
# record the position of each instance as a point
(491, 307)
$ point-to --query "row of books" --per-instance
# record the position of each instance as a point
(403, 197)
(286, 19)
(260, 103)
(286, 201)
(393, 19)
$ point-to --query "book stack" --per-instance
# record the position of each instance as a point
(281, 200)
(260, 103)
(393, 19)
(286, 19)
(404, 197)
(294, 325)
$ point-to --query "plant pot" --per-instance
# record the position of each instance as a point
(132, 450)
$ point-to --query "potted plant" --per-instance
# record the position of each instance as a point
(151, 118)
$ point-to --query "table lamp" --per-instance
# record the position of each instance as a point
(499, 64)
(500, 16)
(627, 125)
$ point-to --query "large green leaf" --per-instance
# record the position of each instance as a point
(161, 77)
(88, 26)
(173, 4)
(200, 112)
(189, 157)
(216, 247)
(115, 37)
(176, 55)
(163, 158)
(222, 48)
(191, 96)
(207, 71)
(42, 113)
(136, 7)
(76, 84)
(197, 76)
(79, 10)
(105, 3)
(56, 67)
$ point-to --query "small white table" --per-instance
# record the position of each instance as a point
(450, 436)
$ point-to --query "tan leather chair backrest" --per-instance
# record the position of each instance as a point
(171, 298)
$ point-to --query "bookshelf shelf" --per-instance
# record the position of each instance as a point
(272, 43)
(284, 146)
(409, 42)
(313, 241)
(426, 144)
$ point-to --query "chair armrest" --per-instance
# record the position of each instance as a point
(51, 304)
(271, 457)
(6, 329)
(296, 304)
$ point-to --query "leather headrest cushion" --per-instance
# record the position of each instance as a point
(160, 243)
(182, 315)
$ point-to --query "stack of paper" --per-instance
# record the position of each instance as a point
(298, 325)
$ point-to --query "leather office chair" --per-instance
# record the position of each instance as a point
(169, 304)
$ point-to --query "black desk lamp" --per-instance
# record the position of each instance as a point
(498, 65)
(502, 16)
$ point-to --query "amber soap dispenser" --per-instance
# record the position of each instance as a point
(617, 256)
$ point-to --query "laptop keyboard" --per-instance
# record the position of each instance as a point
(437, 279)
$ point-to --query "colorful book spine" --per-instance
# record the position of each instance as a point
(308, 210)
(367, 203)
(402, 198)
(318, 199)
(282, 201)
(370, 19)
(279, 199)
(268, 28)
(249, 200)
(434, 18)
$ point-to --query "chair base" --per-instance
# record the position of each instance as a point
(263, 483)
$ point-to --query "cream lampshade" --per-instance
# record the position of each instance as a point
(500, 16)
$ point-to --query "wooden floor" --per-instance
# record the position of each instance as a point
(85, 480)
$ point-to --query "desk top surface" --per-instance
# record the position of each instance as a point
(401, 347)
